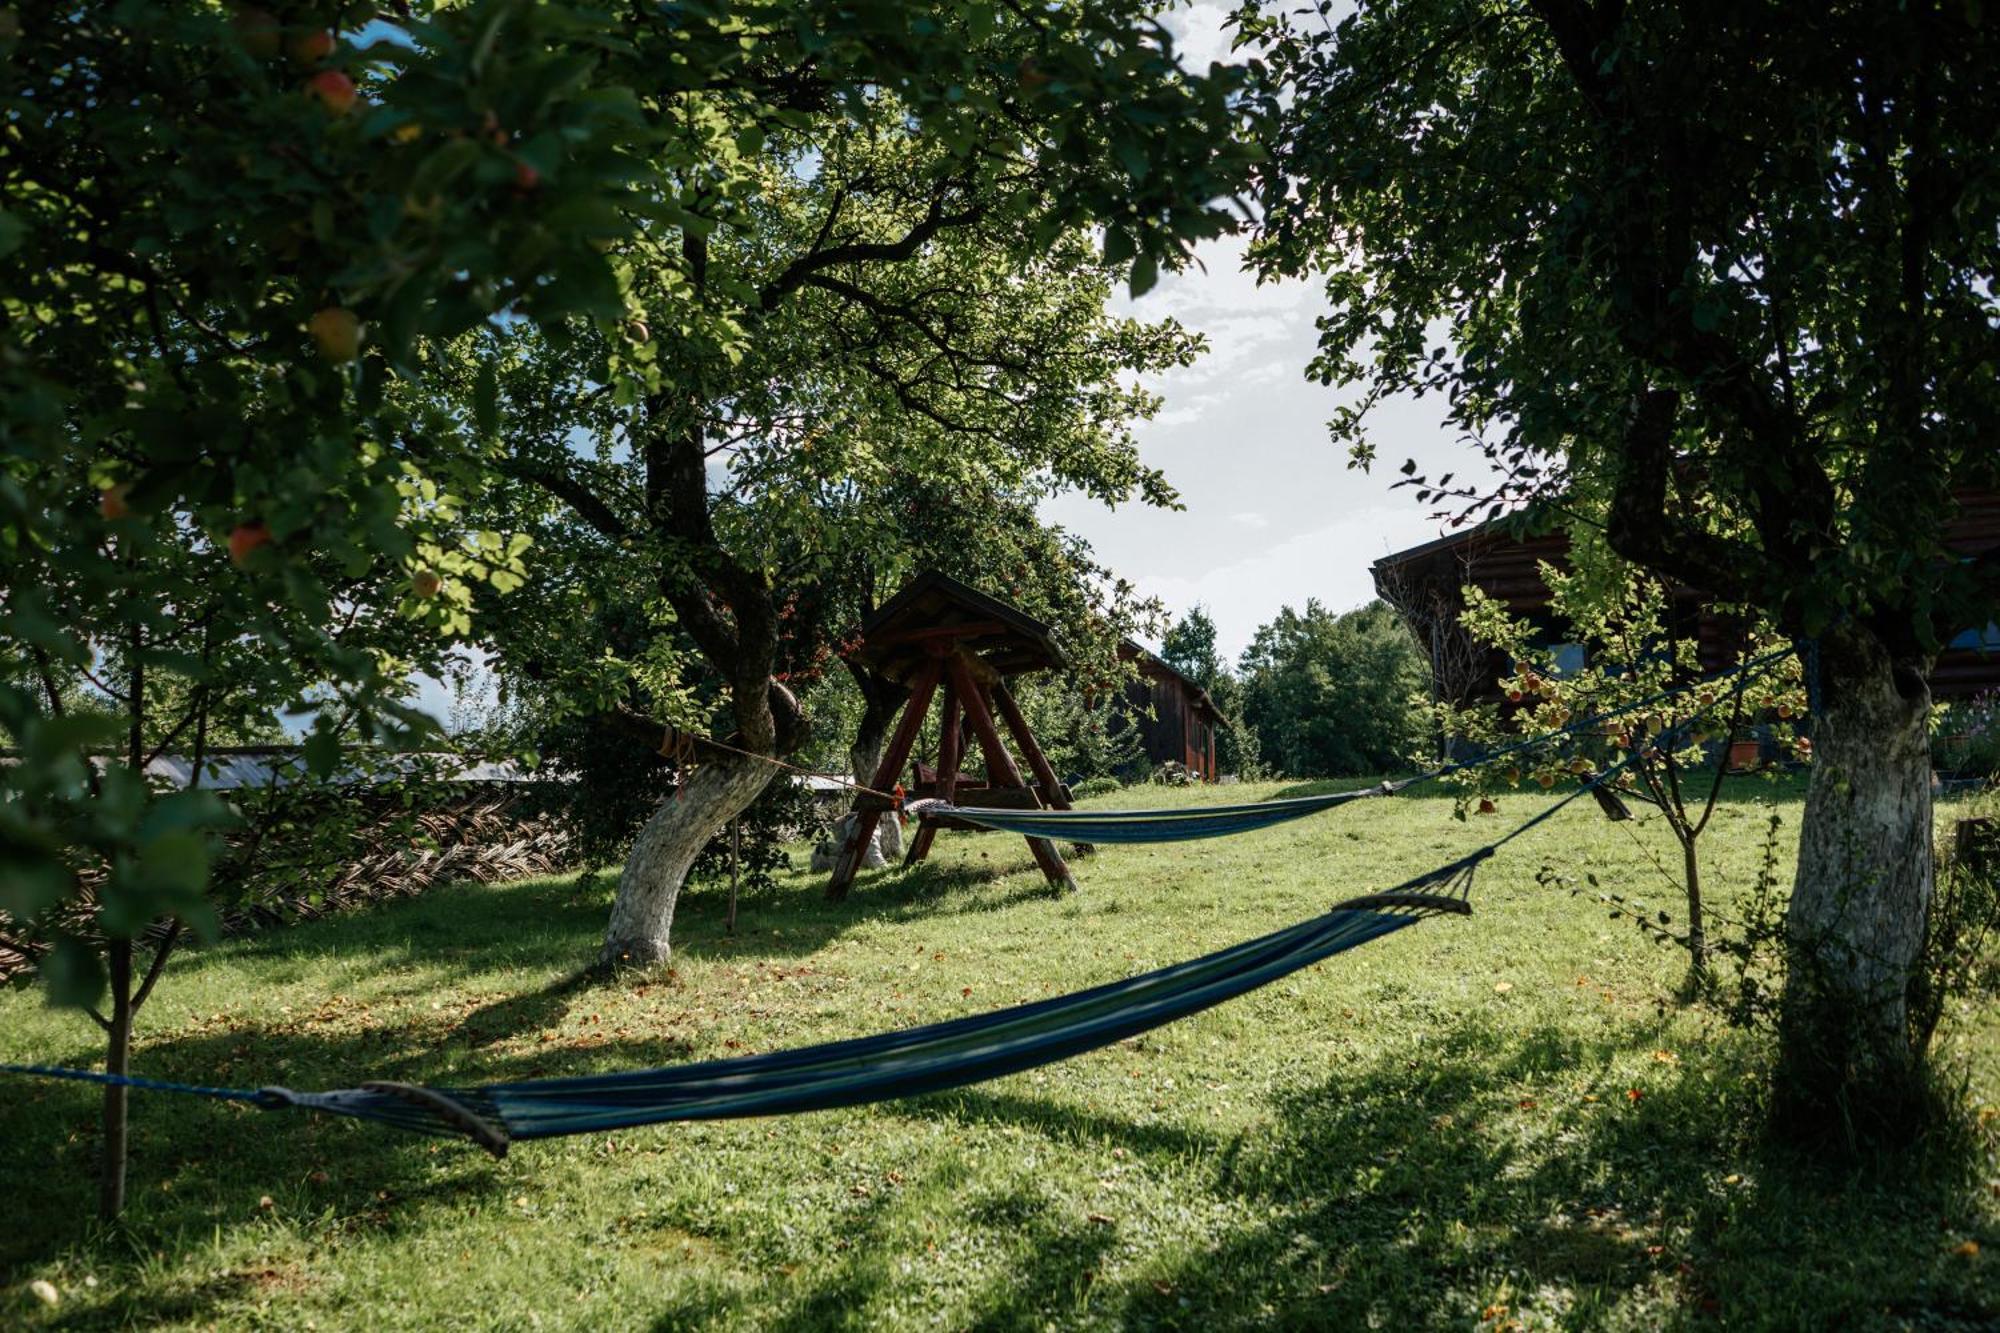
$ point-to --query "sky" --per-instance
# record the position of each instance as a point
(1273, 514)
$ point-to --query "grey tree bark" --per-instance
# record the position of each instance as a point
(863, 758)
(1862, 894)
(642, 914)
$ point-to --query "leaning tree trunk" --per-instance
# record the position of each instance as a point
(882, 703)
(866, 754)
(642, 916)
(1860, 899)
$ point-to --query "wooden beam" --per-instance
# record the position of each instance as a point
(950, 753)
(1000, 769)
(962, 630)
(886, 774)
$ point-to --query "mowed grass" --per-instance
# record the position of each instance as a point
(1483, 1123)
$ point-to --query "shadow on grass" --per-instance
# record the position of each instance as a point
(1415, 1190)
(1429, 1192)
(1475, 1166)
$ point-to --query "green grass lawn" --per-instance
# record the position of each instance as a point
(1499, 1121)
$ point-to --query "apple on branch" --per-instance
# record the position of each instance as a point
(336, 331)
(247, 537)
(333, 90)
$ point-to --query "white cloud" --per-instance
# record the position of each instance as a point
(1185, 408)
(1329, 563)
(1199, 34)
(1250, 520)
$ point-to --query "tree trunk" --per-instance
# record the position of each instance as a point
(642, 915)
(1697, 927)
(117, 1060)
(865, 755)
(1859, 903)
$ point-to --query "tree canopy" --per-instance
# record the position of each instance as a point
(1331, 694)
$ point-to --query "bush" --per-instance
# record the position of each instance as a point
(1966, 735)
(1096, 787)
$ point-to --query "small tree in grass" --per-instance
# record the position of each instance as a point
(1674, 749)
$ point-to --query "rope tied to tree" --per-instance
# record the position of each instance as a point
(678, 745)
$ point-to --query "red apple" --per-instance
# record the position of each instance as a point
(245, 538)
(111, 501)
(337, 332)
(425, 583)
(526, 178)
(334, 90)
(309, 46)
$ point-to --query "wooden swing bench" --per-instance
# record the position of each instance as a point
(954, 645)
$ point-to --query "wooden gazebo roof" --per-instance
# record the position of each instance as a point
(933, 606)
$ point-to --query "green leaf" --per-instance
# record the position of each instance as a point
(74, 974)
(321, 751)
(1145, 274)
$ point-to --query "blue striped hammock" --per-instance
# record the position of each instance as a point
(1107, 826)
(865, 1069)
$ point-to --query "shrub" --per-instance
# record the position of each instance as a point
(1966, 735)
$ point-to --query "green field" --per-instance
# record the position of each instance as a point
(1500, 1121)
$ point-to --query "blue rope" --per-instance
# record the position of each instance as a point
(1808, 651)
(258, 1096)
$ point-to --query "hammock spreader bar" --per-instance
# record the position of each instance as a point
(892, 1064)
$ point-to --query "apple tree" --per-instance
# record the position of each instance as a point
(1719, 278)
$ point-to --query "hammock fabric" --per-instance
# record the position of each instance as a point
(867, 1069)
(1106, 826)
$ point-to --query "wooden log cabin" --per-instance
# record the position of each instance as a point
(1425, 584)
(1174, 714)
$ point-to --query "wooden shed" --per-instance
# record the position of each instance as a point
(1424, 583)
(1175, 716)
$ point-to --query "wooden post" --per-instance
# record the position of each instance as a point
(950, 753)
(868, 809)
(999, 764)
(735, 851)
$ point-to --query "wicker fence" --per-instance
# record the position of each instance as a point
(478, 834)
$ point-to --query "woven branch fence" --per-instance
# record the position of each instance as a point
(478, 837)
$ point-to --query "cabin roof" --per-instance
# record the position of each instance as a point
(1148, 658)
(933, 605)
